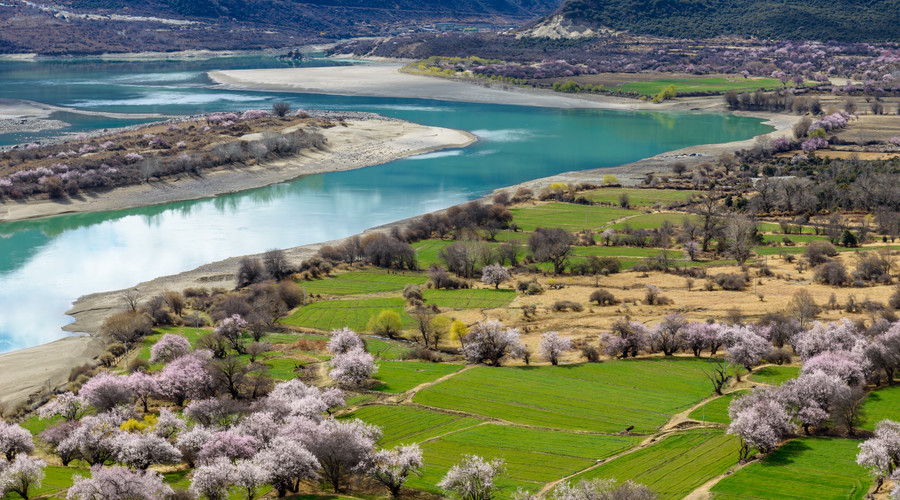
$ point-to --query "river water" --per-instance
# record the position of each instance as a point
(46, 264)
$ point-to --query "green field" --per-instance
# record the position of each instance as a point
(881, 404)
(716, 411)
(572, 218)
(362, 282)
(650, 221)
(355, 314)
(638, 197)
(401, 376)
(384, 348)
(675, 465)
(600, 397)
(621, 251)
(465, 299)
(408, 424)
(686, 85)
(533, 457)
(775, 375)
(821, 468)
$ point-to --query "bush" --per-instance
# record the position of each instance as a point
(603, 298)
(281, 108)
(591, 354)
(413, 293)
(127, 327)
(653, 297)
(894, 300)
(831, 273)
(387, 323)
(565, 305)
(531, 287)
(730, 281)
(423, 354)
(818, 252)
(873, 267)
(138, 365)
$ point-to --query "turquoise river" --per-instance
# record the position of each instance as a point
(46, 264)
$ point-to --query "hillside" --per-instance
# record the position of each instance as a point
(843, 20)
(96, 26)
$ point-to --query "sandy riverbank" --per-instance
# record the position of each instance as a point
(384, 79)
(360, 144)
(29, 116)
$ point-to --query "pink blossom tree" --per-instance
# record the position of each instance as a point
(880, 454)
(838, 336)
(746, 347)
(228, 444)
(287, 463)
(67, 405)
(56, 434)
(168, 425)
(250, 476)
(14, 440)
(698, 336)
(344, 340)
(666, 336)
(212, 480)
(232, 329)
(553, 346)
(190, 442)
(169, 347)
(114, 483)
(183, 378)
(105, 391)
(352, 367)
(494, 274)
(393, 467)
(22, 476)
(261, 426)
(294, 398)
(848, 366)
(810, 397)
(761, 424)
(143, 450)
(143, 386)
(626, 338)
(473, 478)
(342, 447)
(605, 489)
(94, 440)
(491, 341)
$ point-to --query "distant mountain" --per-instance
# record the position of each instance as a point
(72, 27)
(841, 20)
(355, 11)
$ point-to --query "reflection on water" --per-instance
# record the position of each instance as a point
(48, 263)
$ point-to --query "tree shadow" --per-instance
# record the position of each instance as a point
(786, 454)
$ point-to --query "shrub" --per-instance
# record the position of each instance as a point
(603, 298)
(653, 296)
(831, 273)
(387, 323)
(531, 287)
(591, 354)
(873, 267)
(423, 354)
(818, 252)
(778, 357)
(413, 293)
(730, 281)
(566, 305)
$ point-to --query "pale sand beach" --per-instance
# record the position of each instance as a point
(359, 144)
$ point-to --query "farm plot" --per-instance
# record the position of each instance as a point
(466, 299)
(775, 375)
(881, 404)
(361, 282)
(408, 424)
(639, 197)
(401, 376)
(650, 221)
(570, 217)
(716, 411)
(383, 348)
(604, 397)
(690, 85)
(676, 465)
(823, 468)
(533, 457)
(332, 314)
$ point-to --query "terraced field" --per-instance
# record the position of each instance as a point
(639, 197)
(401, 376)
(355, 314)
(466, 299)
(676, 465)
(881, 404)
(601, 397)
(533, 457)
(570, 217)
(362, 282)
(716, 411)
(409, 424)
(821, 468)
(650, 221)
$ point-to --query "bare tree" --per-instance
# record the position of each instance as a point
(281, 108)
(741, 234)
(803, 307)
(710, 219)
(131, 299)
(276, 264)
(554, 245)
